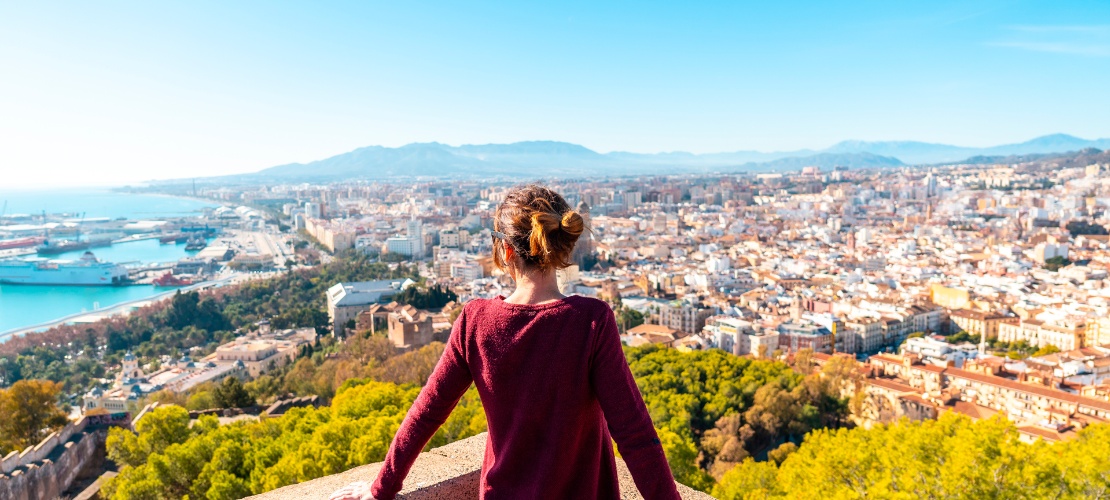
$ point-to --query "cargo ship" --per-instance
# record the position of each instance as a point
(86, 271)
(20, 243)
(174, 238)
(54, 247)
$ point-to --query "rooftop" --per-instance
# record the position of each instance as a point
(365, 292)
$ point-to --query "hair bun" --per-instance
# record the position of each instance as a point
(572, 223)
(543, 224)
(539, 225)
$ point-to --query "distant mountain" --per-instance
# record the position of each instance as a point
(916, 153)
(827, 161)
(562, 159)
(907, 151)
(1071, 159)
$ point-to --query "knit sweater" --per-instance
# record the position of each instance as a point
(557, 392)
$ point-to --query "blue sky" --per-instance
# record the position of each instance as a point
(112, 92)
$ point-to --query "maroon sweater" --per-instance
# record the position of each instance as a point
(555, 387)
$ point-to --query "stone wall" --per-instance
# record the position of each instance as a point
(447, 472)
(43, 471)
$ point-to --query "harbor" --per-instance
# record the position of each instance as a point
(69, 267)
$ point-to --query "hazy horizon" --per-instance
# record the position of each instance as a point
(123, 93)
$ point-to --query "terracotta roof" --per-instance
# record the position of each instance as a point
(889, 384)
(917, 399)
(646, 329)
(1046, 434)
(1035, 389)
(972, 410)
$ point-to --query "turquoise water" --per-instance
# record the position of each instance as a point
(99, 203)
(22, 306)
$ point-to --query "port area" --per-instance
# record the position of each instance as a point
(219, 248)
(125, 308)
(233, 252)
(208, 248)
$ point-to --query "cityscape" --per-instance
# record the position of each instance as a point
(264, 309)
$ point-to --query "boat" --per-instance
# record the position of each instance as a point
(87, 271)
(20, 243)
(174, 238)
(169, 279)
(54, 247)
(196, 243)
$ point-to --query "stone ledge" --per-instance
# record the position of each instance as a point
(448, 472)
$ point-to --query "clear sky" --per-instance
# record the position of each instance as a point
(112, 92)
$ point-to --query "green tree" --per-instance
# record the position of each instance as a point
(30, 412)
(682, 455)
(156, 431)
(1046, 350)
(748, 480)
(951, 457)
(202, 400)
(244, 458)
(230, 393)
(1056, 263)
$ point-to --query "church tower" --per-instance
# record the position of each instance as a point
(130, 368)
(584, 248)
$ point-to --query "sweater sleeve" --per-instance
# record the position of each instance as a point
(447, 384)
(627, 416)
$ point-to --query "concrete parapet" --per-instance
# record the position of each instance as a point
(448, 472)
(43, 449)
(57, 463)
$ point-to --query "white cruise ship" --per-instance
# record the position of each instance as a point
(88, 270)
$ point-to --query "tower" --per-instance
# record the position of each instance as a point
(130, 368)
(416, 234)
(584, 248)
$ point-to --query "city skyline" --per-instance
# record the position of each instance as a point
(132, 92)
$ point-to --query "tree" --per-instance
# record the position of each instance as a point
(803, 360)
(231, 394)
(244, 458)
(1080, 227)
(951, 457)
(156, 431)
(201, 400)
(1056, 263)
(433, 298)
(30, 412)
(682, 455)
(750, 479)
(629, 318)
(1046, 350)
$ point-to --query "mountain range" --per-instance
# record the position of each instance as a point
(561, 159)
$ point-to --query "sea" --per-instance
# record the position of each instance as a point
(23, 306)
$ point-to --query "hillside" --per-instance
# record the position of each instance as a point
(1070, 159)
(562, 159)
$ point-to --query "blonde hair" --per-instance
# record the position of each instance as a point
(540, 226)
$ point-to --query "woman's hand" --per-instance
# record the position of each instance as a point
(355, 491)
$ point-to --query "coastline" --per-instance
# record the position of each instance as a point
(126, 307)
(107, 312)
(125, 189)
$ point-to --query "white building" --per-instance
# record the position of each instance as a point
(347, 300)
(939, 352)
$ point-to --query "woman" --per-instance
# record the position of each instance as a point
(550, 372)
